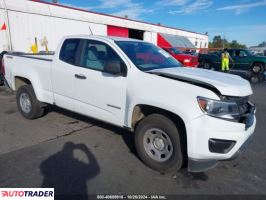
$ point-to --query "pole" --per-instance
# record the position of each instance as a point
(223, 40)
(10, 48)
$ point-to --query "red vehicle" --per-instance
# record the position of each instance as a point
(186, 59)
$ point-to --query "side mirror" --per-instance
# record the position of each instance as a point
(115, 67)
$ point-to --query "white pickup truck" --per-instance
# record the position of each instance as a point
(180, 116)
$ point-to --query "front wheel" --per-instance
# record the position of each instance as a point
(257, 68)
(158, 143)
(27, 103)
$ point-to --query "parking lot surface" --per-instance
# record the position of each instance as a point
(79, 155)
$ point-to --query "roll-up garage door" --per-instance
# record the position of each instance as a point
(167, 41)
(117, 31)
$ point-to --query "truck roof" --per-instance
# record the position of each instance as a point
(102, 37)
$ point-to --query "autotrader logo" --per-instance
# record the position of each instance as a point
(27, 193)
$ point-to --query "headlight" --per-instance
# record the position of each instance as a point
(186, 60)
(221, 109)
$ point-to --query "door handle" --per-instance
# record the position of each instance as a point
(80, 76)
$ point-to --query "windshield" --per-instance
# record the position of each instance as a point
(176, 51)
(249, 52)
(147, 56)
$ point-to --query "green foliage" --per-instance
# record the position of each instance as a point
(263, 44)
(219, 42)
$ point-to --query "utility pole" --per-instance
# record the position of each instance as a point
(10, 47)
(223, 39)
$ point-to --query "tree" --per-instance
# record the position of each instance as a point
(219, 42)
(263, 44)
(235, 44)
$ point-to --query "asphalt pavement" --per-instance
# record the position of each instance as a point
(79, 155)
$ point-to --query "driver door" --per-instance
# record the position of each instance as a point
(241, 61)
(99, 94)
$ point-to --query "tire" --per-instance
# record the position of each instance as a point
(1, 79)
(157, 123)
(27, 103)
(207, 65)
(257, 68)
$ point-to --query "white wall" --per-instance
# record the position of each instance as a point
(3, 33)
(25, 27)
(32, 19)
(150, 37)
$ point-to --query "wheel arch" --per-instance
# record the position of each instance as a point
(259, 62)
(22, 80)
(140, 111)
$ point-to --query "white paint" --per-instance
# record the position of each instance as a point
(150, 37)
(3, 33)
(32, 19)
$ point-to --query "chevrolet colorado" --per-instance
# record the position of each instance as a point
(180, 116)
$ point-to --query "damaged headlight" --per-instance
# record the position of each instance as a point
(220, 109)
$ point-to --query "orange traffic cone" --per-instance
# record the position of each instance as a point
(3, 27)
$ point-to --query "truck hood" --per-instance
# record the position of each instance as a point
(225, 84)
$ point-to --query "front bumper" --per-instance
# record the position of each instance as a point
(202, 156)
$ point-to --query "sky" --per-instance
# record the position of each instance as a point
(241, 20)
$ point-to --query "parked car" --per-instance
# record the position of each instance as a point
(243, 59)
(191, 52)
(177, 114)
(186, 59)
(1, 70)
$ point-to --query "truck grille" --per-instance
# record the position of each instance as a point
(246, 110)
(242, 103)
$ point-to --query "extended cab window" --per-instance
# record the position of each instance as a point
(96, 55)
(231, 52)
(69, 50)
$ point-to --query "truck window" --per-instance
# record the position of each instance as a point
(231, 52)
(147, 56)
(241, 53)
(97, 54)
(69, 50)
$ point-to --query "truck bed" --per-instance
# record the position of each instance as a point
(42, 56)
(34, 67)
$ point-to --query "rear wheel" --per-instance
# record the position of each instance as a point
(27, 103)
(1, 79)
(207, 65)
(257, 68)
(158, 143)
(1, 75)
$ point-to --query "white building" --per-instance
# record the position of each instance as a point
(22, 21)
